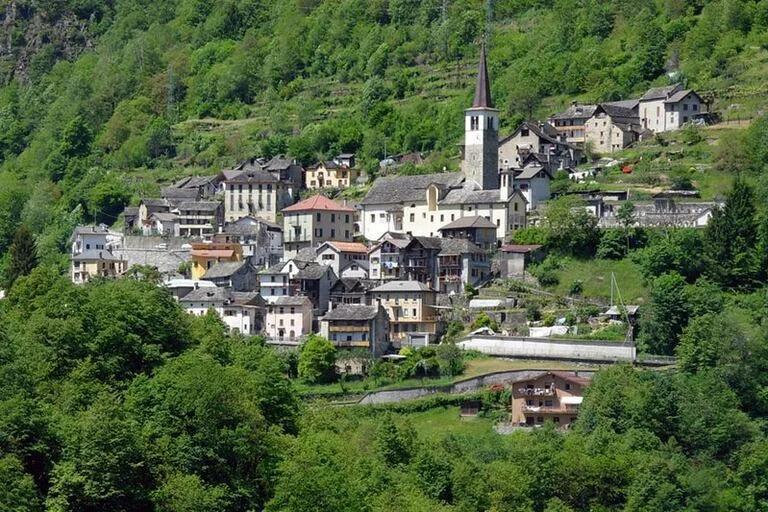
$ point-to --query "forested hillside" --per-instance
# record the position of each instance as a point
(102, 101)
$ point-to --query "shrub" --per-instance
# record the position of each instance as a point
(576, 287)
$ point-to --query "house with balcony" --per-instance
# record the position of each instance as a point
(348, 290)
(200, 218)
(274, 282)
(460, 262)
(242, 312)
(478, 230)
(288, 318)
(203, 256)
(352, 326)
(570, 122)
(315, 220)
(549, 396)
(385, 258)
(410, 307)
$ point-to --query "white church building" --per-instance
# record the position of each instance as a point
(422, 204)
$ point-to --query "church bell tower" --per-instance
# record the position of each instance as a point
(481, 134)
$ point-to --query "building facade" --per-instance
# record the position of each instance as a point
(410, 307)
(357, 326)
(315, 220)
(288, 318)
(550, 396)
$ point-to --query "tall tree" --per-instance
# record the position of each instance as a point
(23, 256)
(730, 240)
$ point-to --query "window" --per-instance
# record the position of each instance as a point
(373, 217)
(567, 385)
(473, 123)
(333, 233)
(346, 218)
(346, 233)
(414, 312)
(319, 216)
(333, 217)
(547, 403)
(452, 217)
(695, 107)
(516, 205)
(412, 217)
(524, 132)
(685, 106)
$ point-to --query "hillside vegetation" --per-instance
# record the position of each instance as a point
(104, 101)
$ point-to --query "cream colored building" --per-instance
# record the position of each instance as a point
(254, 193)
(315, 220)
(91, 252)
(331, 174)
(410, 307)
(288, 318)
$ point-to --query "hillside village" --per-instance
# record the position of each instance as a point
(261, 245)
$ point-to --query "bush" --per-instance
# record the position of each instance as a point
(549, 320)
(576, 288)
(533, 310)
(483, 320)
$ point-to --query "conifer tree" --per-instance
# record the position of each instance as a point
(730, 240)
(22, 256)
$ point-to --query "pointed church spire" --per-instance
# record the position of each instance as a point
(482, 87)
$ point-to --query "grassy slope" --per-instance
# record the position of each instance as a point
(596, 278)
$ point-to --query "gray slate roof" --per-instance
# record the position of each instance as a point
(279, 162)
(465, 195)
(207, 294)
(306, 254)
(316, 271)
(224, 269)
(403, 286)
(352, 312)
(458, 246)
(529, 172)
(208, 206)
(400, 189)
(469, 222)
(255, 176)
(95, 254)
(291, 300)
(680, 96)
(179, 193)
(630, 104)
(657, 93)
(155, 202)
(90, 230)
(429, 242)
(165, 216)
(578, 111)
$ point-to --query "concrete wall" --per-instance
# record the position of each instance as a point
(542, 348)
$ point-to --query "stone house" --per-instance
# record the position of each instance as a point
(240, 276)
(163, 224)
(461, 262)
(541, 139)
(612, 128)
(549, 396)
(478, 230)
(200, 218)
(513, 259)
(348, 290)
(570, 122)
(150, 205)
(410, 306)
(357, 326)
(315, 282)
(315, 220)
(262, 240)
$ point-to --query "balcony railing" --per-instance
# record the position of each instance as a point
(553, 409)
(536, 391)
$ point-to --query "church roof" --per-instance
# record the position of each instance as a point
(465, 195)
(401, 189)
(482, 86)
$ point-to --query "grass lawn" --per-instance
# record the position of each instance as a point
(446, 419)
(596, 278)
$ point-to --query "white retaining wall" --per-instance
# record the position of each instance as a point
(543, 348)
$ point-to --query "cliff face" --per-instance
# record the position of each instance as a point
(33, 39)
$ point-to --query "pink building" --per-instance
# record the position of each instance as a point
(288, 318)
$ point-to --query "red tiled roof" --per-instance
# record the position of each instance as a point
(213, 253)
(349, 246)
(519, 248)
(318, 202)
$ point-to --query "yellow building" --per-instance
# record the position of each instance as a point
(337, 173)
(410, 307)
(205, 255)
